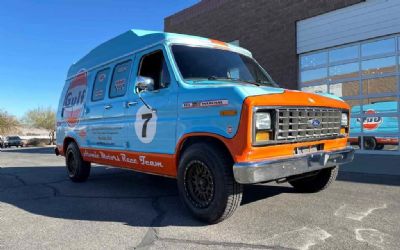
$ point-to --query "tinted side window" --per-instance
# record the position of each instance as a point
(154, 66)
(100, 83)
(120, 79)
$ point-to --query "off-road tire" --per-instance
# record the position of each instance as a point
(316, 183)
(226, 193)
(78, 169)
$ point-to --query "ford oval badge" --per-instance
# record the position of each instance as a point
(314, 123)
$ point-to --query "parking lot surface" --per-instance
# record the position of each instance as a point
(41, 209)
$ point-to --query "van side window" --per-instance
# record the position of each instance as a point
(120, 79)
(154, 66)
(100, 83)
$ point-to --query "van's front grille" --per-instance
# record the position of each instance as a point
(296, 124)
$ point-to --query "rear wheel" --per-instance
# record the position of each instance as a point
(379, 146)
(369, 143)
(206, 183)
(316, 183)
(78, 169)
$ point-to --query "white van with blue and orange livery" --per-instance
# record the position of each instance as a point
(201, 111)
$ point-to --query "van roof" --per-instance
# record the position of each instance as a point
(134, 40)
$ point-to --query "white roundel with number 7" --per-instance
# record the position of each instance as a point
(145, 124)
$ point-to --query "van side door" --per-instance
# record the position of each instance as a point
(112, 133)
(96, 100)
(153, 131)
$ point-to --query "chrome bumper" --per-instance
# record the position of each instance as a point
(278, 168)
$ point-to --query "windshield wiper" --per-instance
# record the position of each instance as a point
(219, 78)
(232, 79)
(263, 82)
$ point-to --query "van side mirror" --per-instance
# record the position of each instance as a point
(144, 84)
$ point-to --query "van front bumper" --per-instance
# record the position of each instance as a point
(279, 168)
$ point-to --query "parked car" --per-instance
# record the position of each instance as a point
(201, 111)
(1, 142)
(10, 141)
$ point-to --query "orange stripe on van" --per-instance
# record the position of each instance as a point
(220, 43)
(160, 164)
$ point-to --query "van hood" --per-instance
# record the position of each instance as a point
(255, 90)
(297, 99)
(252, 90)
(273, 96)
(245, 88)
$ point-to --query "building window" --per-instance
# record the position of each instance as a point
(366, 75)
(314, 76)
(313, 60)
(378, 47)
(343, 54)
(349, 70)
(345, 89)
(379, 66)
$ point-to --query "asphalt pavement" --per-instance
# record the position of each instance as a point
(121, 209)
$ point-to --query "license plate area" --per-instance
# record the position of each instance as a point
(308, 149)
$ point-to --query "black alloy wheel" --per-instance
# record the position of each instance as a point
(199, 184)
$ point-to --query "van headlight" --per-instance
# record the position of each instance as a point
(345, 120)
(262, 127)
(263, 121)
(344, 124)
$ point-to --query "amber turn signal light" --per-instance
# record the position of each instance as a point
(263, 136)
(230, 112)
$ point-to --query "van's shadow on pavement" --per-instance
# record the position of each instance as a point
(110, 194)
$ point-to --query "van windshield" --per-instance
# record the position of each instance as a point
(199, 64)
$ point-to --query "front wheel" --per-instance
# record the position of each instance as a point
(206, 183)
(316, 183)
(78, 169)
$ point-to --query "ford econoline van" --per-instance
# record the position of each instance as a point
(201, 111)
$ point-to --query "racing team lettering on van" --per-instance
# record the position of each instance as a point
(75, 99)
(122, 157)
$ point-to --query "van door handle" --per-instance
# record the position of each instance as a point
(130, 104)
(107, 106)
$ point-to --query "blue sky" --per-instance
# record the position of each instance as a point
(39, 39)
